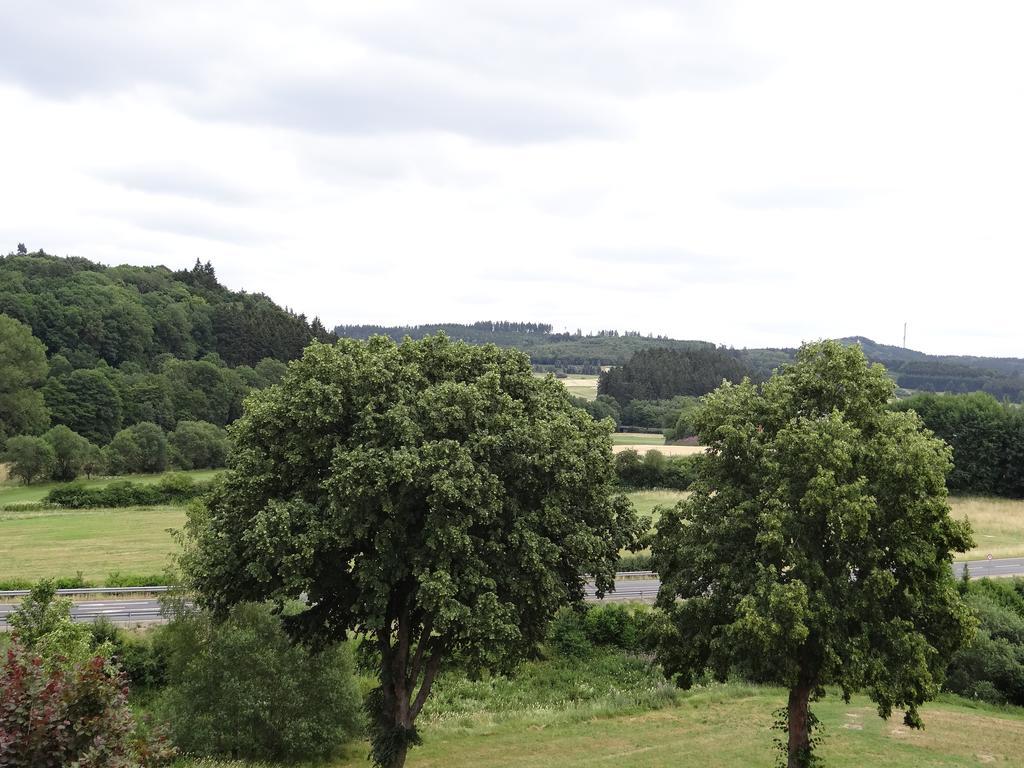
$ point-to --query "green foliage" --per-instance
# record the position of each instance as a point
(22, 370)
(575, 632)
(655, 470)
(655, 415)
(139, 448)
(173, 488)
(198, 445)
(659, 374)
(816, 545)
(987, 439)
(71, 453)
(31, 458)
(87, 401)
(90, 313)
(434, 496)
(991, 666)
(43, 625)
(240, 688)
(79, 716)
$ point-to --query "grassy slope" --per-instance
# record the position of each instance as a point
(717, 727)
(16, 493)
(96, 542)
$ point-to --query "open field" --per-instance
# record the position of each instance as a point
(645, 501)
(637, 438)
(57, 543)
(581, 385)
(668, 450)
(998, 525)
(716, 727)
(12, 492)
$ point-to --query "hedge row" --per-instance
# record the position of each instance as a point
(170, 489)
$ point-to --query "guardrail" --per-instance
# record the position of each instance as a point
(92, 591)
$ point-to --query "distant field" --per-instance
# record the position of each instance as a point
(12, 492)
(714, 727)
(41, 544)
(644, 502)
(668, 450)
(637, 438)
(581, 385)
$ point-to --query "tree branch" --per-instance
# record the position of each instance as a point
(433, 664)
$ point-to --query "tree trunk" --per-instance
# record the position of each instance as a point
(799, 731)
(398, 760)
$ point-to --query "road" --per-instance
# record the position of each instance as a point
(631, 589)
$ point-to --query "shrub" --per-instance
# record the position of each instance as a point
(241, 688)
(172, 489)
(991, 667)
(77, 717)
(655, 470)
(138, 657)
(43, 625)
(640, 561)
(567, 634)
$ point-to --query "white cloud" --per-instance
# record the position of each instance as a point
(744, 172)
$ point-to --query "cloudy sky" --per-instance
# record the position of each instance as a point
(749, 173)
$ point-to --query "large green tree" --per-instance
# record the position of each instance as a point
(432, 496)
(22, 370)
(30, 458)
(71, 452)
(816, 546)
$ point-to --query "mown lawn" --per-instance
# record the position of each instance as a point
(57, 543)
(12, 492)
(718, 727)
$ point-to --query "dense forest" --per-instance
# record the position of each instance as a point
(659, 374)
(100, 350)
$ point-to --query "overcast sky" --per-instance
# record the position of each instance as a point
(748, 173)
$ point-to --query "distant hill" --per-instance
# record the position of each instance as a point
(90, 313)
(1002, 377)
(571, 352)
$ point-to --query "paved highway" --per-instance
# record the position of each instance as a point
(642, 588)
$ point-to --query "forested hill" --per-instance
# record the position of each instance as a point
(572, 352)
(1002, 377)
(99, 349)
(87, 313)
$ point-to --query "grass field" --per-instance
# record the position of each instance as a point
(16, 493)
(998, 526)
(58, 543)
(644, 502)
(637, 438)
(581, 385)
(717, 727)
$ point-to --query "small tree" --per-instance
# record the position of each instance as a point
(816, 546)
(31, 458)
(240, 688)
(43, 625)
(198, 445)
(70, 452)
(434, 497)
(141, 447)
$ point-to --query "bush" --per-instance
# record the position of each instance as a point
(640, 561)
(142, 662)
(576, 632)
(78, 717)
(991, 667)
(241, 688)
